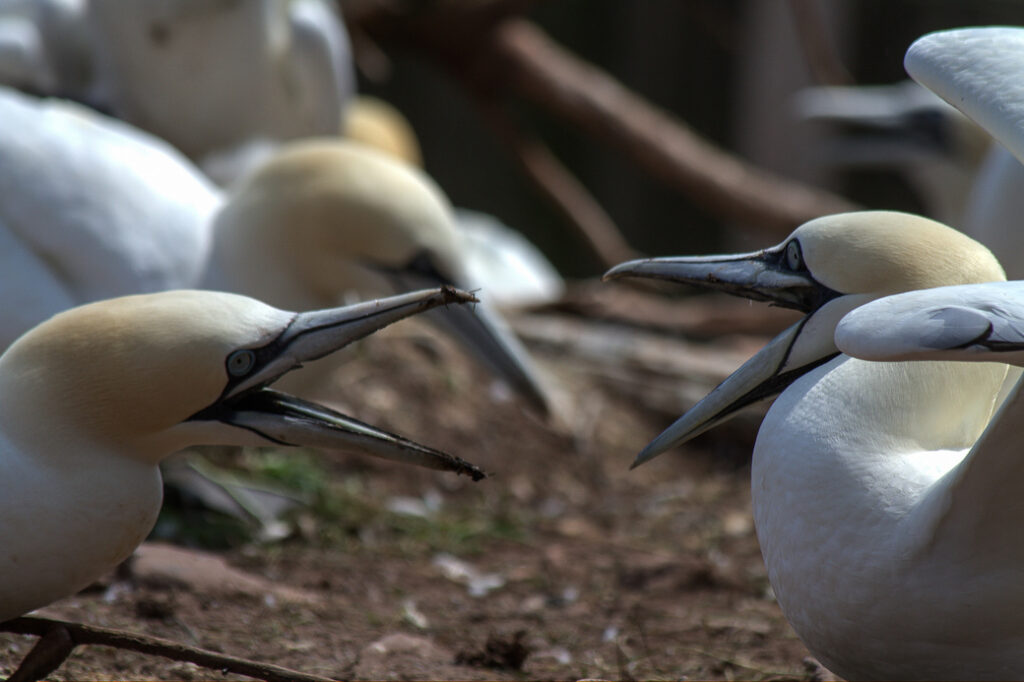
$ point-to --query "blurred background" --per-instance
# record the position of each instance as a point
(729, 69)
(660, 127)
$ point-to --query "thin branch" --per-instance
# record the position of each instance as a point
(81, 634)
(565, 192)
(819, 50)
(717, 181)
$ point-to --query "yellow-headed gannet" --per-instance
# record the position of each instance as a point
(883, 532)
(215, 76)
(93, 399)
(91, 208)
(327, 217)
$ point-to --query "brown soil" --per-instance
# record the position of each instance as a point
(595, 571)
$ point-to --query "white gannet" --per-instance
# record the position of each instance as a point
(91, 208)
(93, 399)
(905, 127)
(325, 218)
(210, 77)
(871, 507)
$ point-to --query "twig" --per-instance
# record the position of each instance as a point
(565, 192)
(57, 649)
(819, 52)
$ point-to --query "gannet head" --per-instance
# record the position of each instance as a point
(148, 375)
(825, 268)
(325, 218)
(376, 123)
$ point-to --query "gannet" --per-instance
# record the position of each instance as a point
(214, 76)
(45, 47)
(326, 217)
(905, 127)
(881, 528)
(93, 399)
(91, 208)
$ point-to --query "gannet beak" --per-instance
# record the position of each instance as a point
(484, 334)
(282, 419)
(760, 276)
(488, 337)
(760, 378)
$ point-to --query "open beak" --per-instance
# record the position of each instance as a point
(760, 276)
(282, 419)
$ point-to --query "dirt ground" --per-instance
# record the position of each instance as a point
(562, 565)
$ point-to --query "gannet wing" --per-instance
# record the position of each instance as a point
(113, 210)
(977, 70)
(975, 510)
(972, 322)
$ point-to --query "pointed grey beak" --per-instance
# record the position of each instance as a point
(282, 419)
(759, 276)
(483, 333)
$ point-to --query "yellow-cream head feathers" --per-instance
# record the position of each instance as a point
(327, 216)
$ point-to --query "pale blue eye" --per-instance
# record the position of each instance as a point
(794, 259)
(240, 362)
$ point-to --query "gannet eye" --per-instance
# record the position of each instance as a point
(240, 362)
(794, 258)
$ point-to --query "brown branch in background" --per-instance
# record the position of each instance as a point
(59, 638)
(719, 182)
(819, 51)
(565, 192)
(492, 52)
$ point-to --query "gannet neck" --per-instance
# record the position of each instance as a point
(848, 486)
(327, 217)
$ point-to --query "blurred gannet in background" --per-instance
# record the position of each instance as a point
(376, 123)
(91, 208)
(906, 127)
(214, 77)
(92, 400)
(326, 218)
(888, 516)
(45, 47)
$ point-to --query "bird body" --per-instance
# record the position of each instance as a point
(91, 208)
(212, 76)
(93, 399)
(889, 528)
